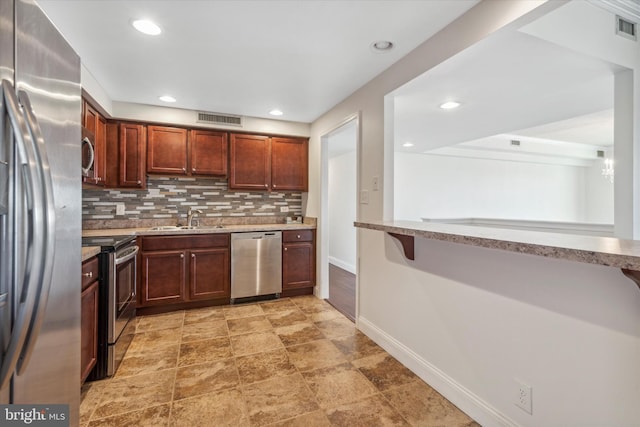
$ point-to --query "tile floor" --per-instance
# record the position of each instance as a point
(290, 362)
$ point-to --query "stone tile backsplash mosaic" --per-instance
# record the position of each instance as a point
(168, 199)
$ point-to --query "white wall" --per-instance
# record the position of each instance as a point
(342, 210)
(433, 186)
(471, 319)
(599, 196)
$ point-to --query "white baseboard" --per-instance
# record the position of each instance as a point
(343, 265)
(469, 403)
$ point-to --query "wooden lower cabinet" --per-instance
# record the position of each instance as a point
(184, 269)
(298, 262)
(89, 318)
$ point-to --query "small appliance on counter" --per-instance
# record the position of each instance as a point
(116, 300)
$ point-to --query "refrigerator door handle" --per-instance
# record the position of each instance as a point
(47, 231)
(33, 257)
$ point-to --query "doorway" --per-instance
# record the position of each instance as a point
(340, 166)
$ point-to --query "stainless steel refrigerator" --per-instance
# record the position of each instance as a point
(40, 211)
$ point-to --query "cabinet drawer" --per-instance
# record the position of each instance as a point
(89, 272)
(297, 236)
(161, 243)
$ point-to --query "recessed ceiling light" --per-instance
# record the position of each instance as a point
(146, 27)
(408, 144)
(449, 105)
(382, 46)
(275, 112)
(167, 98)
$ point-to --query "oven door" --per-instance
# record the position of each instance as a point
(123, 302)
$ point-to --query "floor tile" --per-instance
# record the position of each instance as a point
(338, 327)
(311, 304)
(205, 378)
(276, 306)
(192, 353)
(255, 343)
(154, 340)
(90, 395)
(147, 362)
(221, 409)
(278, 399)
(238, 311)
(319, 316)
(159, 321)
(204, 330)
(421, 405)
(248, 324)
(357, 346)
(203, 315)
(384, 371)
(315, 355)
(135, 393)
(156, 416)
(263, 366)
(299, 333)
(370, 412)
(287, 318)
(337, 385)
(312, 419)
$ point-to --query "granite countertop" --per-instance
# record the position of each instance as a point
(147, 231)
(89, 251)
(609, 251)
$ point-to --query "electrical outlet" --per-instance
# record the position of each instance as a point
(523, 396)
(284, 209)
(376, 183)
(120, 209)
(364, 197)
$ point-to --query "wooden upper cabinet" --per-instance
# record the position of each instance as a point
(93, 121)
(166, 150)
(289, 164)
(250, 162)
(132, 143)
(208, 153)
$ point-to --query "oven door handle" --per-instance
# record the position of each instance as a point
(127, 257)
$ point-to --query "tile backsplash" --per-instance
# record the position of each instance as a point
(167, 201)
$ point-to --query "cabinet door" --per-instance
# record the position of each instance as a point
(100, 164)
(132, 156)
(250, 162)
(90, 117)
(289, 164)
(209, 275)
(88, 330)
(298, 265)
(208, 153)
(163, 277)
(166, 150)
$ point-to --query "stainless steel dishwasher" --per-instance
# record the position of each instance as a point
(256, 264)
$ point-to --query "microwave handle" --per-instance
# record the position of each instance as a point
(46, 232)
(92, 156)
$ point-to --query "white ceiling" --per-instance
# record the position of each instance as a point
(245, 57)
(517, 84)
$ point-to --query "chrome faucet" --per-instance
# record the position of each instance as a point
(192, 213)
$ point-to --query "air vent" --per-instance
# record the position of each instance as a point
(219, 119)
(515, 142)
(626, 28)
(600, 154)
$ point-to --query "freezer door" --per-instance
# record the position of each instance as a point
(48, 71)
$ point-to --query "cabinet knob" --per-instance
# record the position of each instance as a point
(266, 186)
(193, 169)
(89, 274)
(139, 182)
(298, 236)
(181, 255)
(193, 255)
(184, 170)
(274, 186)
(285, 249)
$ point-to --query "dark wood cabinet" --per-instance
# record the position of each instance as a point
(250, 162)
(298, 262)
(89, 318)
(166, 150)
(132, 148)
(208, 153)
(184, 269)
(96, 125)
(289, 164)
(268, 163)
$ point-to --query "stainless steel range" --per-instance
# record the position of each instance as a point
(117, 300)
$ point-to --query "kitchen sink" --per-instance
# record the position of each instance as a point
(185, 227)
(165, 228)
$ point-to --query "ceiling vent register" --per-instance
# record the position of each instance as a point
(219, 119)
